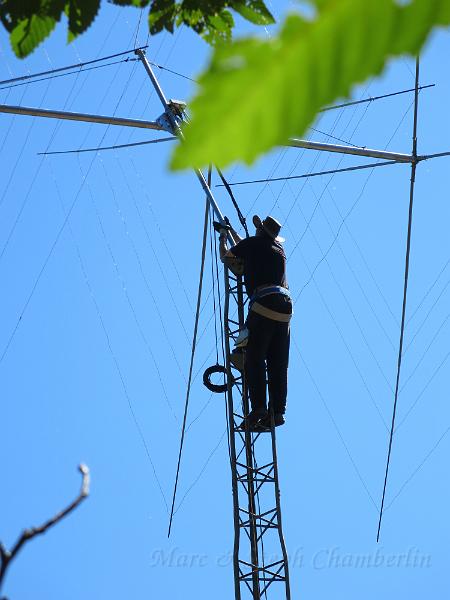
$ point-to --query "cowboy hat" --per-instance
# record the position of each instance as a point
(270, 225)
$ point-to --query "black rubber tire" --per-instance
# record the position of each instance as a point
(212, 387)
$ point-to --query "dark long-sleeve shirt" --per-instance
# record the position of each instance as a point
(264, 264)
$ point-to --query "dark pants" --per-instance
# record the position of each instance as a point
(268, 343)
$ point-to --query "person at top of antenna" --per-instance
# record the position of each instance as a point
(270, 311)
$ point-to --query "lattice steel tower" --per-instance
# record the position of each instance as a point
(259, 555)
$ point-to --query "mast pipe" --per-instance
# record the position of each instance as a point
(177, 131)
(399, 157)
(141, 54)
(72, 116)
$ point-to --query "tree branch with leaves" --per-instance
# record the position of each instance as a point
(31, 22)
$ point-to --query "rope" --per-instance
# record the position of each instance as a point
(343, 219)
(115, 359)
(338, 139)
(419, 329)
(233, 200)
(122, 281)
(148, 235)
(319, 199)
(405, 291)
(100, 148)
(411, 375)
(115, 62)
(340, 116)
(428, 156)
(424, 389)
(79, 65)
(317, 158)
(307, 175)
(211, 241)
(417, 469)
(138, 26)
(335, 425)
(428, 292)
(53, 246)
(25, 144)
(109, 343)
(191, 365)
(216, 259)
(372, 99)
(172, 71)
(203, 469)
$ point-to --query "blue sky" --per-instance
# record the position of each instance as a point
(109, 323)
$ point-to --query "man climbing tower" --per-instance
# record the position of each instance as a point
(270, 310)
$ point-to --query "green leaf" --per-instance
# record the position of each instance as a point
(162, 16)
(136, 3)
(254, 11)
(218, 28)
(256, 94)
(31, 20)
(29, 33)
(320, 4)
(81, 14)
(209, 18)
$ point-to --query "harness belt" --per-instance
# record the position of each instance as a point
(270, 314)
(267, 312)
(266, 290)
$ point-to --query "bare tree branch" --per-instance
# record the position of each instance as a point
(6, 556)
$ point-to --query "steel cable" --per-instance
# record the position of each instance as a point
(110, 346)
(319, 393)
(191, 365)
(81, 70)
(425, 296)
(441, 326)
(52, 248)
(344, 219)
(79, 65)
(36, 173)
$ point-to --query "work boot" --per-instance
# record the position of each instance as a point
(253, 418)
(278, 419)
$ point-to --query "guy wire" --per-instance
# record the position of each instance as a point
(79, 65)
(80, 70)
(194, 341)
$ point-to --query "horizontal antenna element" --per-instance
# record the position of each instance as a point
(72, 116)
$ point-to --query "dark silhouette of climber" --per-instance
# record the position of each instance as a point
(270, 311)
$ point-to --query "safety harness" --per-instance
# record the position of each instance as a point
(258, 308)
(237, 355)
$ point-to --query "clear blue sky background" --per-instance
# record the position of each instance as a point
(110, 320)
